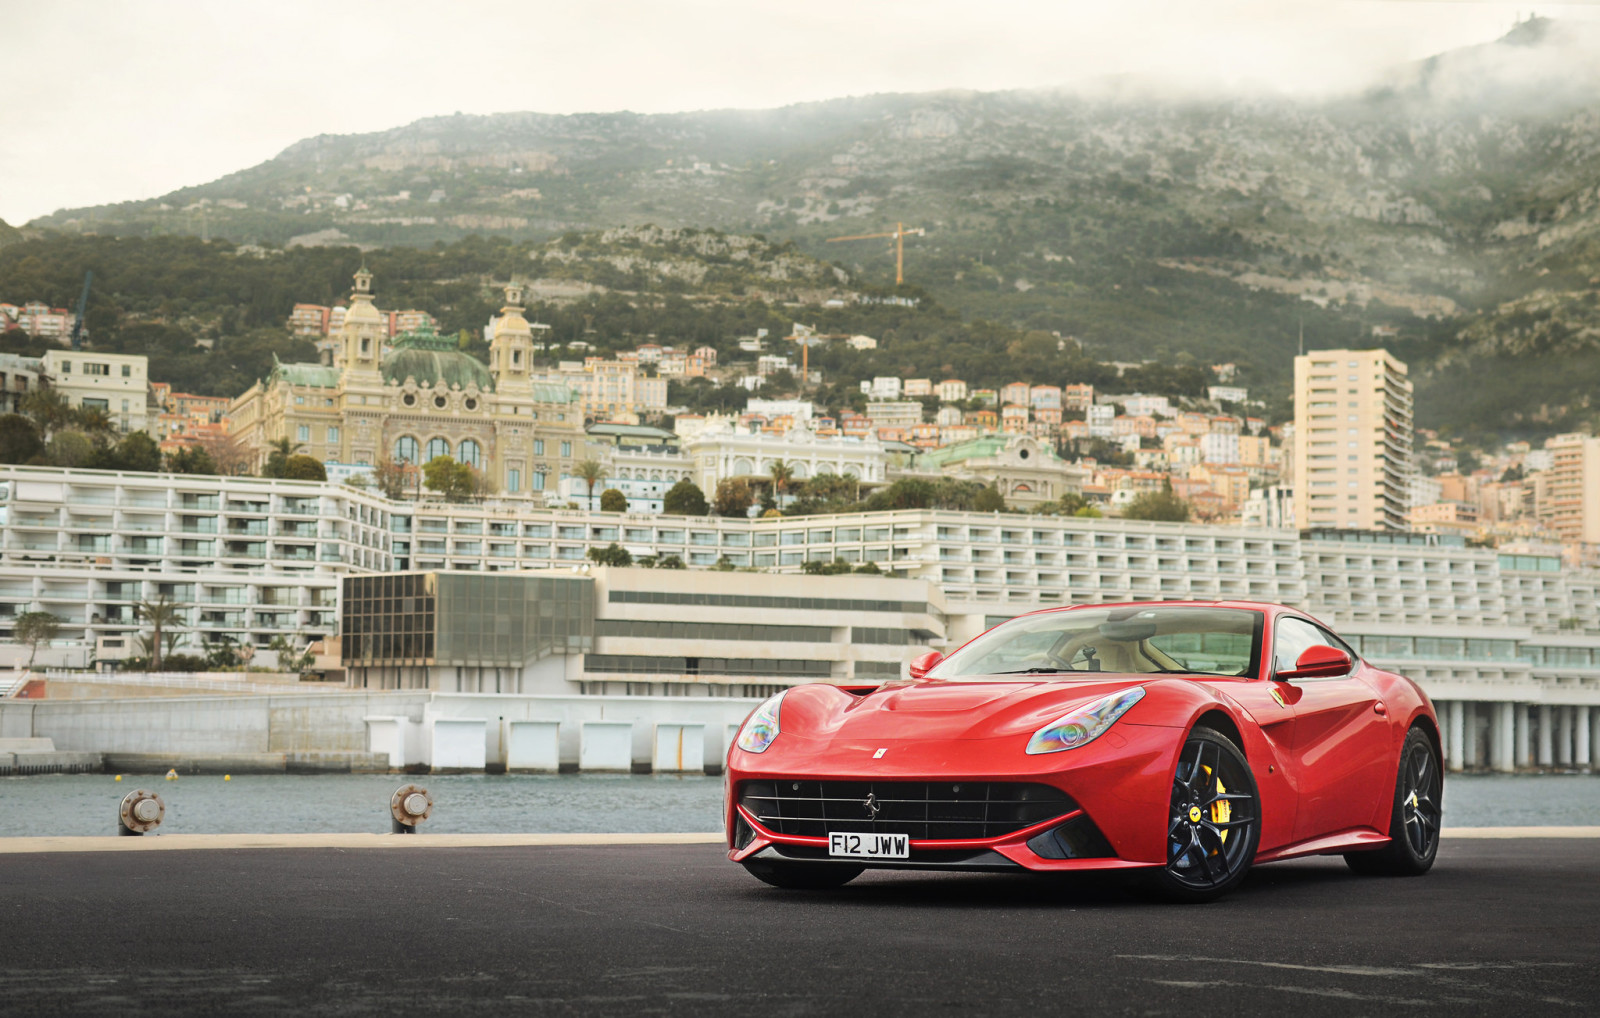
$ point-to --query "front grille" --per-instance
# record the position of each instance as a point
(925, 810)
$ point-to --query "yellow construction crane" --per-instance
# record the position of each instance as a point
(899, 233)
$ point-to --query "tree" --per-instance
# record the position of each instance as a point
(69, 449)
(35, 628)
(393, 477)
(162, 613)
(733, 498)
(868, 567)
(612, 554)
(590, 472)
(19, 439)
(457, 482)
(231, 458)
(1160, 505)
(290, 659)
(300, 467)
(48, 410)
(817, 567)
(191, 459)
(137, 451)
(685, 499)
(669, 562)
(613, 501)
(278, 452)
(723, 565)
(782, 474)
(989, 500)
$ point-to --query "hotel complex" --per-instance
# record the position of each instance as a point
(1509, 644)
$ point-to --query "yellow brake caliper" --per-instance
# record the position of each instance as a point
(1221, 810)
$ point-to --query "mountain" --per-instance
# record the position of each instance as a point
(8, 234)
(1454, 212)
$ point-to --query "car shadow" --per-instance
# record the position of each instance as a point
(922, 889)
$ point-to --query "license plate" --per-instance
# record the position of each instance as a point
(870, 846)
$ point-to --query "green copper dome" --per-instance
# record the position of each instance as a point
(430, 358)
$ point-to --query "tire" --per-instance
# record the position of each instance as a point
(1414, 819)
(1213, 822)
(803, 876)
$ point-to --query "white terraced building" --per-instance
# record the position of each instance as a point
(1507, 644)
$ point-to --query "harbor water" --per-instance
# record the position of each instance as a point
(85, 804)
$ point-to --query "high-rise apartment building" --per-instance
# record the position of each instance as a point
(1352, 440)
(1569, 500)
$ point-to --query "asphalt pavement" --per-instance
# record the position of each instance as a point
(1499, 927)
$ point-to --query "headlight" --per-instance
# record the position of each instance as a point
(1085, 724)
(761, 727)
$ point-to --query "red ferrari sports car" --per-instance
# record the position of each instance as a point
(1183, 740)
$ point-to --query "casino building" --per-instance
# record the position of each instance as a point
(423, 399)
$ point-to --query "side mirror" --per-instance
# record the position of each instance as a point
(924, 664)
(1317, 662)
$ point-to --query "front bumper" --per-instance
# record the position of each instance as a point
(1119, 786)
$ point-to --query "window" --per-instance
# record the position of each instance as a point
(513, 479)
(470, 453)
(1294, 636)
(566, 448)
(407, 449)
(66, 367)
(538, 447)
(437, 447)
(127, 371)
(303, 433)
(333, 435)
(538, 480)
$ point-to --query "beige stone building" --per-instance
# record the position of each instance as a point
(1352, 440)
(423, 399)
(1569, 497)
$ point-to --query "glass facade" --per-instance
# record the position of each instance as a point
(484, 619)
(635, 664)
(649, 629)
(758, 601)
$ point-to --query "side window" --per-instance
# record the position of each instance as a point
(1292, 638)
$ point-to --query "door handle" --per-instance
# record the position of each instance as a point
(1379, 709)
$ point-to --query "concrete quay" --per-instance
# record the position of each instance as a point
(1501, 926)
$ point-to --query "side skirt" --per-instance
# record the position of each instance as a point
(1353, 839)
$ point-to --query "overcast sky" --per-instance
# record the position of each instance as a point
(111, 100)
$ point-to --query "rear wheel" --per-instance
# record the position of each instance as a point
(1214, 823)
(802, 876)
(1414, 822)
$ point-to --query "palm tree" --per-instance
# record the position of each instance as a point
(782, 474)
(34, 628)
(278, 452)
(591, 472)
(160, 613)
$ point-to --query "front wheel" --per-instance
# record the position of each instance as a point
(803, 876)
(1214, 823)
(1414, 822)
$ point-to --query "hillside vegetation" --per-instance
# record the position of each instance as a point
(611, 290)
(1456, 210)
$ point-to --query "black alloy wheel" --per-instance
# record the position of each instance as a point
(803, 876)
(1416, 817)
(1214, 823)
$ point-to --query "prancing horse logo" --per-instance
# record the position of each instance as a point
(871, 803)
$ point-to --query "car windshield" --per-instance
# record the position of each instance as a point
(1122, 640)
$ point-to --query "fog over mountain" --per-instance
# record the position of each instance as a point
(1455, 209)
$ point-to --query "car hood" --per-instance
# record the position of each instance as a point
(939, 709)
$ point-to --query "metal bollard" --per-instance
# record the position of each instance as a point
(140, 811)
(409, 806)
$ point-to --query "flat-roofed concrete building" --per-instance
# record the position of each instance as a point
(617, 631)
